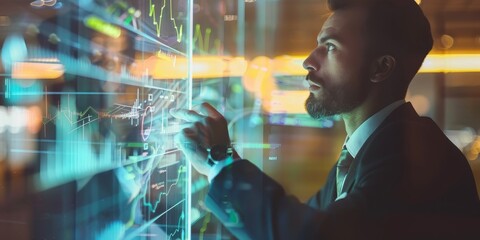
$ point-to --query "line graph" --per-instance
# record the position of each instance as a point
(178, 227)
(202, 43)
(157, 19)
(165, 189)
(142, 228)
(153, 206)
(76, 131)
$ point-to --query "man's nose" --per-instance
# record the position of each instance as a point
(309, 64)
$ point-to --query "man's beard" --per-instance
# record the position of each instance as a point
(333, 102)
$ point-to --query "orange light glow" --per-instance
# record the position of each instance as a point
(160, 67)
(203, 67)
(291, 102)
(37, 70)
(258, 77)
(434, 63)
(34, 116)
(444, 63)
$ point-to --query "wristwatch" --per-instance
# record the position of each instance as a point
(218, 153)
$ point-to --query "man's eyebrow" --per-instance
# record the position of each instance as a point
(327, 37)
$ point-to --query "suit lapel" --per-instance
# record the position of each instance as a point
(405, 111)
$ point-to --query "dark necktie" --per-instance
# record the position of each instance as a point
(343, 165)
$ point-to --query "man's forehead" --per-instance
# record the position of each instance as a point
(327, 31)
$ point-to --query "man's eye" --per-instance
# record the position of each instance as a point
(330, 47)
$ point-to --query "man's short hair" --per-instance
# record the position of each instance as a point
(394, 27)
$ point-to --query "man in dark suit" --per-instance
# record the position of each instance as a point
(398, 175)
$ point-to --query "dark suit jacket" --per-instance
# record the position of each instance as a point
(407, 181)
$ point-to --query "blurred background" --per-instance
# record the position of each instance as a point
(86, 141)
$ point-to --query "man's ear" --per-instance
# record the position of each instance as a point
(382, 68)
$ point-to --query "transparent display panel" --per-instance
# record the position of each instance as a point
(88, 150)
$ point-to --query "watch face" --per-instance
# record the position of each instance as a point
(218, 152)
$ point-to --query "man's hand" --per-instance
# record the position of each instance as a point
(208, 128)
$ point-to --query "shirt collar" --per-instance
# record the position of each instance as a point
(355, 142)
